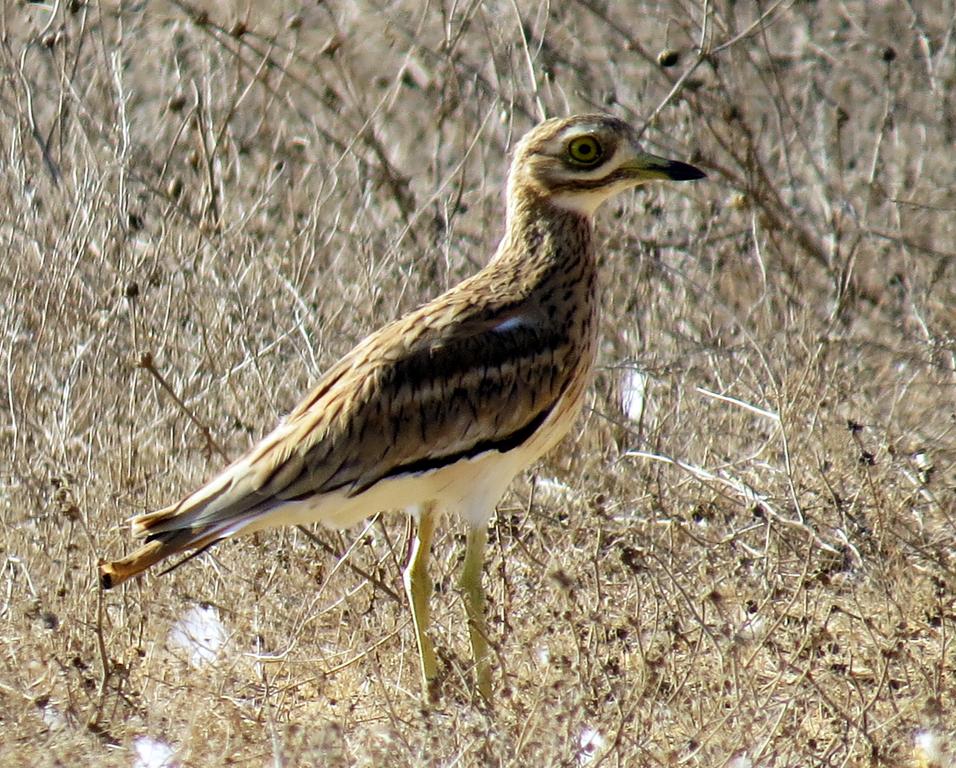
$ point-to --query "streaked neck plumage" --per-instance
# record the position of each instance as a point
(547, 255)
(545, 242)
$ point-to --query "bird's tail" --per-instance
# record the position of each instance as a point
(155, 549)
(169, 532)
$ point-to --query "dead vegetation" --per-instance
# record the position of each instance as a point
(743, 555)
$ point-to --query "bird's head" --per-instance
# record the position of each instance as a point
(579, 162)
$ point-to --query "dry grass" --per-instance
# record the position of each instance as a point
(755, 567)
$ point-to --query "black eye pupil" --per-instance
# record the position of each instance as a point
(585, 150)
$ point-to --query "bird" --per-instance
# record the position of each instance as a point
(439, 410)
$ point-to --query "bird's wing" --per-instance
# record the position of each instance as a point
(447, 382)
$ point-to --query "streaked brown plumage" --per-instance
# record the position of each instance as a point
(443, 407)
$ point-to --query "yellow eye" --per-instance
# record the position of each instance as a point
(585, 150)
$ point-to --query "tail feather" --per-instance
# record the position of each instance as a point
(218, 509)
(166, 543)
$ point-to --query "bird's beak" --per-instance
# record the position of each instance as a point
(647, 167)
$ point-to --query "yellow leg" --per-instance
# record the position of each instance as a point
(418, 587)
(470, 583)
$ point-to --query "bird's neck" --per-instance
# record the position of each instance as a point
(545, 241)
(546, 262)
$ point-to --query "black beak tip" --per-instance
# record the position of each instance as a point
(679, 171)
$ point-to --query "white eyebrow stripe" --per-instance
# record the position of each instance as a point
(579, 130)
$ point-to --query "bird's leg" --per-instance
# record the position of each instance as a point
(418, 587)
(470, 583)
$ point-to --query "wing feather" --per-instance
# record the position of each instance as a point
(427, 390)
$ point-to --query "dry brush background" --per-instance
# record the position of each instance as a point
(744, 553)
